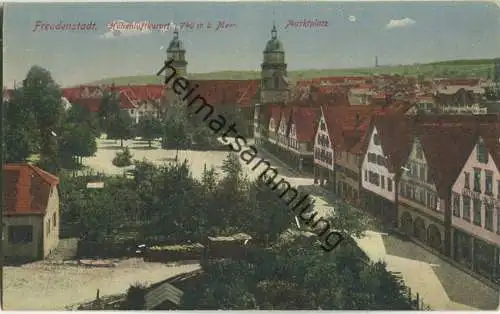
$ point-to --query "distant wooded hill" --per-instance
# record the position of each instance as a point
(453, 68)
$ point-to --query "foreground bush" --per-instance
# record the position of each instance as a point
(123, 159)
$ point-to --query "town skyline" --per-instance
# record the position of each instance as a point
(410, 33)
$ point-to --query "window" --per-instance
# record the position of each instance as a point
(20, 234)
(380, 160)
(433, 203)
(488, 216)
(429, 177)
(389, 184)
(376, 139)
(382, 182)
(488, 182)
(477, 212)
(414, 171)
(467, 179)
(420, 153)
(421, 176)
(466, 207)
(322, 126)
(47, 227)
(456, 204)
(374, 178)
(477, 180)
(54, 219)
(482, 154)
(366, 175)
(422, 196)
(372, 158)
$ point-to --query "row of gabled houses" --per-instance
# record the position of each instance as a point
(436, 178)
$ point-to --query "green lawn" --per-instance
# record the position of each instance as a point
(455, 68)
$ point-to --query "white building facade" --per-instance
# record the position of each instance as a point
(476, 213)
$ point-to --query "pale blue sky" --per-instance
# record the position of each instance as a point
(442, 31)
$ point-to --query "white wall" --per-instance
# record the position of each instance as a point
(380, 170)
(292, 137)
(458, 187)
(282, 136)
(272, 130)
(328, 148)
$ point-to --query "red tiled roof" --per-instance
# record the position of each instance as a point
(395, 133)
(228, 92)
(130, 95)
(446, 148)
(306, 122)
(347, 126)
(26, 189)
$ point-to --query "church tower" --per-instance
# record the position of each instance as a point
(274, 83)
(177, 52)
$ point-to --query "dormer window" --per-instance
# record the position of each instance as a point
(376, 139)
(419, 152)
(482, 154)
(322, 126)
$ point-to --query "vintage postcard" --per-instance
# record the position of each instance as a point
(251, 155)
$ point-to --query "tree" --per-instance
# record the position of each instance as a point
(120, 126)
(176, 129)
(267, 216)
(109, 107)
(310, 278)
(20, 138)
(42, 95)
(77, 140)
(149, 128)
(135, 298)
(81, 115)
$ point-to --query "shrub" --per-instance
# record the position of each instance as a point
(136, 297)
(123, 158)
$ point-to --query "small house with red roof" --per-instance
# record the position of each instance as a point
(476, 202)
(30, 213)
